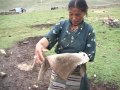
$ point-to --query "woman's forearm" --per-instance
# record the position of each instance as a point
(44, 42)
(41, 46)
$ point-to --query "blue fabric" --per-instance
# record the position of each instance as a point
(84, 85)
(83, 40)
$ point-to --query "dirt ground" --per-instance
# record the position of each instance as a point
(22, 53)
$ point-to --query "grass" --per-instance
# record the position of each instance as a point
(106, 65)
(18, 26)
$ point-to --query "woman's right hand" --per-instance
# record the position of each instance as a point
(40, 48)
(39, 57)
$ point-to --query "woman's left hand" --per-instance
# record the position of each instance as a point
(84, 58)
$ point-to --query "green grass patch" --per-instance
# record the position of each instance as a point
(106, 65)
(16, 27)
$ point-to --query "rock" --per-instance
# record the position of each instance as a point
(94, 75)
(26, 42)
(3, 75)
(24, 67)
(35, 86)
(29, 88)
(2, 51)
(112, 22)
(11, 75)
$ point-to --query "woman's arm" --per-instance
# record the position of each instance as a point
(91, 45)
(47, 42)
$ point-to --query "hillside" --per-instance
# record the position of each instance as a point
(32, 5)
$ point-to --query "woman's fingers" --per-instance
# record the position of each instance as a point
(44, 50)
(39, 58)
(39, 53)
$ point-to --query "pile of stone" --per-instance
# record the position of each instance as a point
(112, 22)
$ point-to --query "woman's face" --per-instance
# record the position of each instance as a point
(76, 16)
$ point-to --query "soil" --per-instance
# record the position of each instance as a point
(22, 53)
(42, 26)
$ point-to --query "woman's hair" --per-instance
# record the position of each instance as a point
(80, 4)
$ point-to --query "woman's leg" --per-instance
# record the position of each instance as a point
(56, 83)
(84, 85)
(73, 82)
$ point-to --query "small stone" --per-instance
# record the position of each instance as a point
(29, 87)
(24, 67)
(2, 51)
(10, 75)
(35, 86)
(95, 75)
(2, 74)
(26, 42)
(11, 52)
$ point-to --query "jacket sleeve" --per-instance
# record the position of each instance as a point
(53, 35)
(90, 49)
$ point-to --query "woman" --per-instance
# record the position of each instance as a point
(72, 36)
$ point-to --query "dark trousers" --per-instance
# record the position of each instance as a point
(84, 85)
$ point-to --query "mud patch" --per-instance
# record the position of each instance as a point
(42, 26)
(22, 53)
(102, 86)
(9, 13)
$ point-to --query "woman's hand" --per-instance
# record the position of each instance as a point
(84, 57)
(40, 48)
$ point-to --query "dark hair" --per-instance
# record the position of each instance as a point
(80, 4)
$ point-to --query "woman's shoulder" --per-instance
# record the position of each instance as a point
(64, 21)
(88, 27)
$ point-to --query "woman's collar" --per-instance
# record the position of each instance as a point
(70, 23)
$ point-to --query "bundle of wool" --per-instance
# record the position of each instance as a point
(64, 64)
